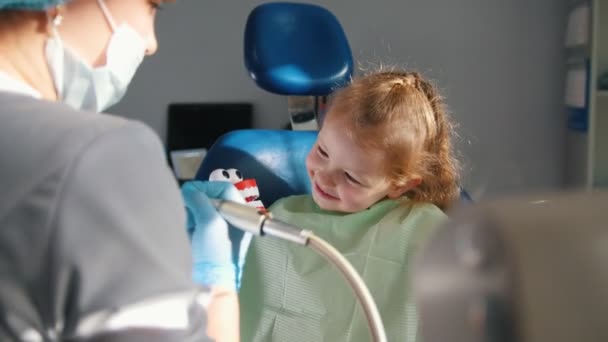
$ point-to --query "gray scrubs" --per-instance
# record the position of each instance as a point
(91, 228)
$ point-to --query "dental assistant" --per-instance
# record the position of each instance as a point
(92, 238)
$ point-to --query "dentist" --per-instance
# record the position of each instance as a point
(92, 239)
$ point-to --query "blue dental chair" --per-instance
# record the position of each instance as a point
(293, 49)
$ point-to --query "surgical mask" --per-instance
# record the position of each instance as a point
(95, 89)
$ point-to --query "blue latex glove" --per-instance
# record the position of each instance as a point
(218, 250)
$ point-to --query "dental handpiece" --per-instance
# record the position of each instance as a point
(258, 222)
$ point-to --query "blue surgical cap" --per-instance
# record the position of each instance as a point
(29, 4)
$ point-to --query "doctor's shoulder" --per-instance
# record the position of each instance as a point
(115, 133)
(63, 135)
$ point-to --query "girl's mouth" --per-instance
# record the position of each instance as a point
(325, 194)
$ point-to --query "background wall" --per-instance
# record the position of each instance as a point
(499, 64)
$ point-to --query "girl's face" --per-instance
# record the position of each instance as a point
(345, 177)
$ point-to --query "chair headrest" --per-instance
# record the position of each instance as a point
(296, 49)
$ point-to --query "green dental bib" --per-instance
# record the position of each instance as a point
(290, 293)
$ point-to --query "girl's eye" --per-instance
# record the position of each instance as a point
(322, 152)
(351, 178)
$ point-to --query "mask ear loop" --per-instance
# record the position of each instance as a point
(55, 18)
(110, 18)
(106, 13)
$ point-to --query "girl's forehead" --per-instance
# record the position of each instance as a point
(344, 150)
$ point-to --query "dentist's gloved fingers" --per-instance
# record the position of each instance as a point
(240, 240)
(212, 255)
(211, 246)
(219, 189)
(240, 245)
(198, 206)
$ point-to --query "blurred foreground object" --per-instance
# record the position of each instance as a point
(524, 268)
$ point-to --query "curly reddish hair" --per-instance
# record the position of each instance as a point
(402, 114)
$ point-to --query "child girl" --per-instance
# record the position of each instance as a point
(382, 173)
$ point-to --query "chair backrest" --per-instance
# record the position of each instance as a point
(296, 49)
(274, 158)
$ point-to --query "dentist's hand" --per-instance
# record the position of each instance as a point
(218, 250)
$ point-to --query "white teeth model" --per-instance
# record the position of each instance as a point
(256, 204)
(252, 192)
(247, 187)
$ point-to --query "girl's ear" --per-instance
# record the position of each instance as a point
(398, 190)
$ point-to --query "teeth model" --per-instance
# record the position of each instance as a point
(247, 187)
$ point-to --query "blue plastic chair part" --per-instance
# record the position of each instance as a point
(274, 158)
(296, 49)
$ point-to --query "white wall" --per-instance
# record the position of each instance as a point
(498, 62)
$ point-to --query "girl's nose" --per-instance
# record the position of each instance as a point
(327, 177)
